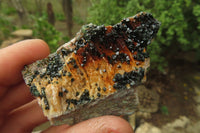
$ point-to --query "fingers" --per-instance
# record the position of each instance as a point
(104, 124)
(25, 118)
(13, 59)
(16, 97)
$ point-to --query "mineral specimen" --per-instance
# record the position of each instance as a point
(96, 73)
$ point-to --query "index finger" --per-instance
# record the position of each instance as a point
(13, 59)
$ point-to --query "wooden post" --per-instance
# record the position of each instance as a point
(50, 12)
(67, 8)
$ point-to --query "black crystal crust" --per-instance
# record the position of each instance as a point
(34, 91)
(135, 33)
(85, 97)
(128, 78)
(66, 52)
(46, 103)
(42, 95)
(54, 66)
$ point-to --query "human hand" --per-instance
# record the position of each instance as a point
(19, 111)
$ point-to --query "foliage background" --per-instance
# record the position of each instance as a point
(54, 35)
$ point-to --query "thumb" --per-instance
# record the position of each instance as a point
(103, 124)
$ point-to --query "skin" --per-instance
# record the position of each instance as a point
(19, 111)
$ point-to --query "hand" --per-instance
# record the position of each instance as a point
(19, 111)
